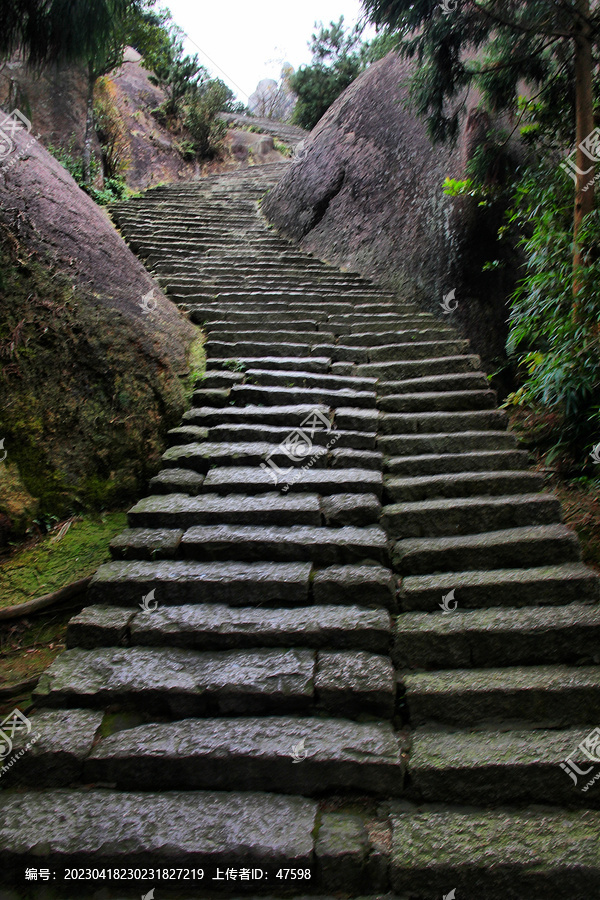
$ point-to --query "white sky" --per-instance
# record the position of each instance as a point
(243, 41)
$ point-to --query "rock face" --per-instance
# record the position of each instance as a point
(90, 368)
(366, 193)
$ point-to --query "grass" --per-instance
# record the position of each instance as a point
(67, 554)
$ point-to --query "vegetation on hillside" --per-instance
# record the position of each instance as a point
(536, 69)
(338, 57)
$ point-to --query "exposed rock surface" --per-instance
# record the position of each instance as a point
(366, 194)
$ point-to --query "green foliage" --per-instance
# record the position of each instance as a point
(200, 117)
(557, 346)
(338, 57)
(114, 188)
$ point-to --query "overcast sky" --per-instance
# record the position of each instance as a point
(242, 41)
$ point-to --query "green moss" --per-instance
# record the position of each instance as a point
(196, 362)
(52, 563)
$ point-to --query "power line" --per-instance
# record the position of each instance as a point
(223, 72)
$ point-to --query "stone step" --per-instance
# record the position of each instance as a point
(456, 463)
(464, 484)
(506, 549)
(177, 481)
(276, 434)
(468, 381)
(283, 755)
(326, 482)
(547, 585)
(546, 696)
(497, 855)
(293, 415)
(441, 422)
(408, 350)
(383, 336)
(441, 401)
(287, 363)
(219, 378)
(498, 637)
(227, 350)
(286, 396)
(444, 443)
(186, 683)
(308, 379)
(210, 626)
(205, 455)
(288, 336)
(469, 515)
(403, 368)
(302, 543)
(181, 511)
(500, 768)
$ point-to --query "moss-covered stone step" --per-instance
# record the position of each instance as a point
(274, 363)
(326, 482)
(181, 511)
(554, 696)
(469, 515)
(264, 584)
(445, 442)
(459, 381)
(489, 768)
(301, 543)
(440, 464)
(498, 637)
(282, 755)
(503, 855)
(462, 484)
(186, 683)
(543, 585)
(209, 626)
(506, 549)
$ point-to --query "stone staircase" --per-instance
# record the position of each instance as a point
(346, 633)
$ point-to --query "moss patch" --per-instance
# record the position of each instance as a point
(64, 556)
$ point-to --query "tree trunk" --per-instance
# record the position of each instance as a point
(584, 106)
(89, 129)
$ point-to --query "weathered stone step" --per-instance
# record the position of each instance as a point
(219, 378)
(409, 350)
(371, 337)
(278, 433)
(185, 683)
(403, 368)
(292, 415)
(554, 584)
(191, 829)
(463, 484)
(238, 335)
(550, 696)
(177, 481)
(270, 395)
(181, 511)
(496, 855)
(441, 422)
(326, 482)
(459, 381)
(209, 626)
(203, 456)
(506, 549)
(499, 768)
(497, 637)
(456, 463)
(178, 582)
(286, 363)
(308, 379)
(228, 350)
(455, 443)
(469, 515)
(441, 401)
(323, 546)
(305, 308)
(282, 755)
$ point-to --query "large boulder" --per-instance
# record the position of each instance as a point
(92, 354)
(365, 193)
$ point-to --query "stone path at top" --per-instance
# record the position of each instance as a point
(268, 674)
